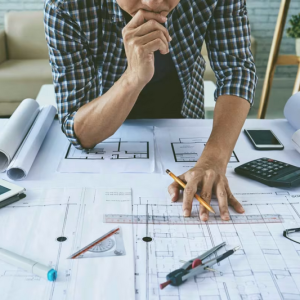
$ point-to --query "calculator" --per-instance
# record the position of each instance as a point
(271, 172)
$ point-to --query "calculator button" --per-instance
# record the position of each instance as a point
(275, 173)
(258, 172)
(269, 176)
(286, 165)
(264, 169)
(264, 174)
(270, 159)
(280, 167)
(252, 170)
(275, 169)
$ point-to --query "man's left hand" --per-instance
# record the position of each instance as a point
(210, 179)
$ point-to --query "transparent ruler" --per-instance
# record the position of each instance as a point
(193, 220)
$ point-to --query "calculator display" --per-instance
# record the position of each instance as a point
(3, 190)
(263, 137)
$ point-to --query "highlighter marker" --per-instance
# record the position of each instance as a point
(27, 265)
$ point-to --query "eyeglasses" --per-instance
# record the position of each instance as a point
(287, 232)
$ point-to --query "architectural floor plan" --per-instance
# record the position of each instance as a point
(112, 149)
(180, 148)
(130, 149)
(190, 149)
(267, 267)
(54, 224)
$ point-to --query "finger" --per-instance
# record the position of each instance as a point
(174, 189)
(205, 194)
(153, 36)
(232, 201)
(188, 196)
(151, 26)
(223, 203)
(142, 15)
(155, 45)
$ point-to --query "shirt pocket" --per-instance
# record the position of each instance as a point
(228, 8)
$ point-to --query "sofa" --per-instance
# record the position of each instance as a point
(24, 60)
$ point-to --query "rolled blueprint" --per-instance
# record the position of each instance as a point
(27, 265)
(15, 130)
(292, 111)
(23, 160)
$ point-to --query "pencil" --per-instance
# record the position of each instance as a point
(206, 205)
(88, 247)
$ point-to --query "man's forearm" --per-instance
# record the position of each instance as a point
(229, 117)
(100, 118)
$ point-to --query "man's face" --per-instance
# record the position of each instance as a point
(159, 6)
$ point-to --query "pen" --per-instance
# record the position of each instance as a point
(206, 205)
(27, 265)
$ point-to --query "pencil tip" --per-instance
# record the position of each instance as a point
(167, 171)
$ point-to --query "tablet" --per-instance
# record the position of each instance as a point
(8, 190)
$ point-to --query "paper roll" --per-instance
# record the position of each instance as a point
(16, 130)
(292, 111)
(23, 160)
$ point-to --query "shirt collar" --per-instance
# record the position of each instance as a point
(114, 11)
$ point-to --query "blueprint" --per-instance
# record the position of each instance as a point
(130, 149)
(48, 226)
(267, 267)
(180, 148)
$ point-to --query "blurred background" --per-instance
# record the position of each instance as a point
(24, 68)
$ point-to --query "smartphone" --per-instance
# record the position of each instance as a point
(264, 139)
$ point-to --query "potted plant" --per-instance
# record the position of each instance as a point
(294, 31)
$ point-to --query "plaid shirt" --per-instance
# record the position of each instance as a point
(87, 52)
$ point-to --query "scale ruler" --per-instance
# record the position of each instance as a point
(193, 220)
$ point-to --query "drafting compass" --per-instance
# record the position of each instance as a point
(196, 266)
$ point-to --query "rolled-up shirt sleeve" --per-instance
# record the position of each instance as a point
(76, 82)
(228, 44)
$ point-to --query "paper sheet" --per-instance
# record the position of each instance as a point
(292, 111)
(31, 227)
(15, 130)
(24, 158)
(267, 267)
(130, 149)
(180, 148)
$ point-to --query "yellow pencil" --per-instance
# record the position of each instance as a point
(206, 205)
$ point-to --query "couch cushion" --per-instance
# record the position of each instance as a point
(25, 35)
(7, 108)
(20, 79)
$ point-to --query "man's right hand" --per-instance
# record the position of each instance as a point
(142, 36)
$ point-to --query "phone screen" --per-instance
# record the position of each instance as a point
(3, 190)
(263, 137)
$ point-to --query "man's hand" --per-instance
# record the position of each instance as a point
(210, 179)
(208, 175)
(142, 36)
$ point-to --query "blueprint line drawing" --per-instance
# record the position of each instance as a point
(75, 213)
(190, 149)
(112, 148)
(129, 149)
(181, 148)
(266, 267)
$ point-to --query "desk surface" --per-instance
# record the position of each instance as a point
(43, 173)
(44, 169)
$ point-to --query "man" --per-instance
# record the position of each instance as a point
(114, 59)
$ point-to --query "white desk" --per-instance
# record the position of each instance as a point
(46, 96)
(44, 175)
